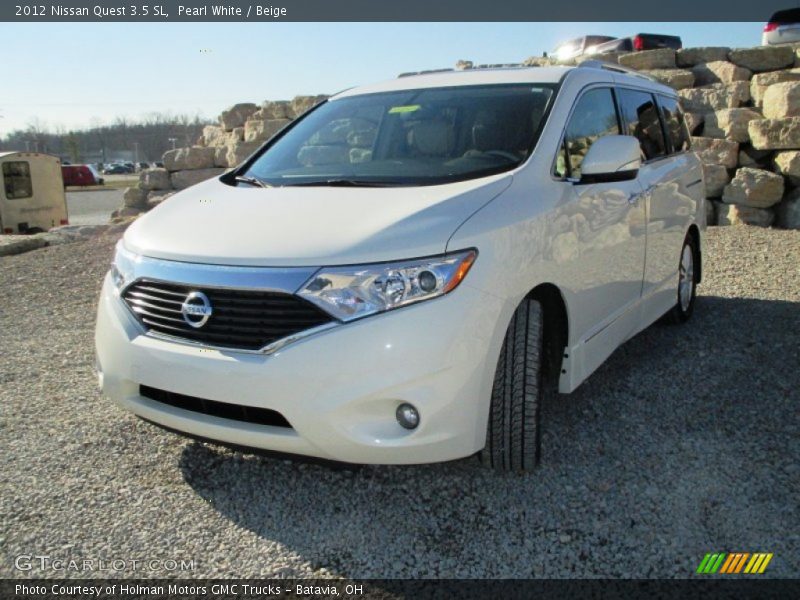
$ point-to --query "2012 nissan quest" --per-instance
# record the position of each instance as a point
(395, 276)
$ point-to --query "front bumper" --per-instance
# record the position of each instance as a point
(338, 389)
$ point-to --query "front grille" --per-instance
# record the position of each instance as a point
(240, 319)
(223, 410)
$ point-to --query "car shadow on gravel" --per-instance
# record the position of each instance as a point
(668, 451)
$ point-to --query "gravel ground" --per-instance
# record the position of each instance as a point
(93, 206)
(685, 442)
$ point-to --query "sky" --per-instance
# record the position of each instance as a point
(83, 74)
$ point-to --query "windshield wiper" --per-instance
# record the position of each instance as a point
(252, 181)
(346, 183)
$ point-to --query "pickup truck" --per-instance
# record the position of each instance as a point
(640, 41)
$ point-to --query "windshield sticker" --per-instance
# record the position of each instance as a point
(404, 109)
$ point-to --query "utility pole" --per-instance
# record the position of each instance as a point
(136, 152)
(173, 140)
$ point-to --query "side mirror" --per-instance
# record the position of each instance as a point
(612, 158)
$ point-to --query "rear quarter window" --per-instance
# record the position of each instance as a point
(674, 124)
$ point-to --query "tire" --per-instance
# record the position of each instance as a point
(687, 282)
(512, 436)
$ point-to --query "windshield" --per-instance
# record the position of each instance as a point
(411, 137)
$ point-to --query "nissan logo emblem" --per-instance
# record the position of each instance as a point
(196, 309)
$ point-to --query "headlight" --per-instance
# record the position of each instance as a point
(122, 268)
(352, 292)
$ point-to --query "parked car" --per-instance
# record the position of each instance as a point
(81, 175)
(576, 47)
(32, 199)
(141, 166)
(783, 28)
(116, 169)
(396, 275)
(158, 164)
(635, 43)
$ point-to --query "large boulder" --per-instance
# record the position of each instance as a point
(761, 81)
(301, 104)
(787, 163)
(134, 197)
(155, 179)
(236, 115)
(782, 100)
(763, 58)
(716, 152)
(775, 134)
(757, 188)
(214, 135)
(739, 89)
(192, 157)
(689, 57)
(260, 131)
(714, 97)
(239, 151)
(716, 177)
(274, 109)
(185, 179)
(719, 71)
(735, 214)
(221, 157)
(662, 58)
(730, 123)
(788, 211)
(678, 79)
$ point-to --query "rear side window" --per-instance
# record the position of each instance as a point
(594, 116)
(640, 115)
(17, 179)
(673, 123)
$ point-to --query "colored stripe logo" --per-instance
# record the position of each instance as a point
(733, 563)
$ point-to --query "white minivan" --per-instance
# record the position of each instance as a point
(395, 276)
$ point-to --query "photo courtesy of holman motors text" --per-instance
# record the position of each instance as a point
(332, 298)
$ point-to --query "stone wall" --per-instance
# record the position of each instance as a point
(742, 108)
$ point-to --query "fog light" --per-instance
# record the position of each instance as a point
(407, 416)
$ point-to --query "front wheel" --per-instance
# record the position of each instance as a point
(512, 436)
(687, 282)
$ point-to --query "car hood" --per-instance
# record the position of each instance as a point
(214, 223)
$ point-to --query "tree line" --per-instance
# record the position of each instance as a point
(124, 140)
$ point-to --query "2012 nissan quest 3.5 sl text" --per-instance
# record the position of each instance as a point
(395, 276)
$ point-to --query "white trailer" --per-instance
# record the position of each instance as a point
(32, 197)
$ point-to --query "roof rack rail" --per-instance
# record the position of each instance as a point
(426, 72)
(475, 68)
(599, 64)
